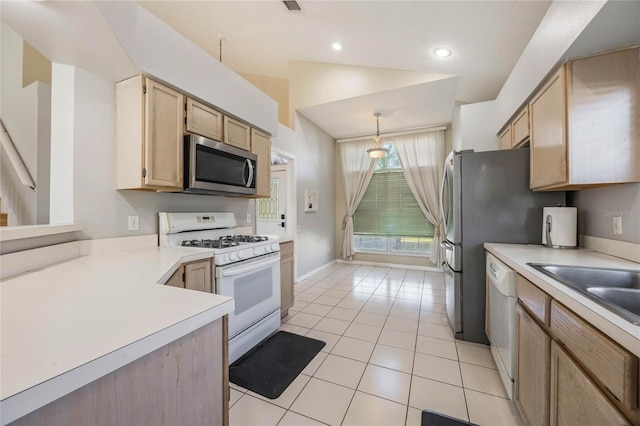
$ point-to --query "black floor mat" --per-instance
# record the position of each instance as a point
(429, 418)
(270, 367)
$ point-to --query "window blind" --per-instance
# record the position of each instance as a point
(389, 208)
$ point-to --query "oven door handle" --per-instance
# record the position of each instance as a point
(253, 267)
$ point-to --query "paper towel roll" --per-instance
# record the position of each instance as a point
(559, 227)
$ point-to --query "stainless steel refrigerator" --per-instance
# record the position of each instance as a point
(485, 198)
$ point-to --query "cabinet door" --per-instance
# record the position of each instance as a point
(532, 370)
(203, 120)
(163, 141)
(287, 294)
(197, 276)
(521, 127)
(575, 399)
(505, 139)
(237, 133)
(548, 133)
(261, 146)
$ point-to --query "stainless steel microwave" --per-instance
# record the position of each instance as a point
(215, 168)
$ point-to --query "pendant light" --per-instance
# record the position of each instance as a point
(378, 151)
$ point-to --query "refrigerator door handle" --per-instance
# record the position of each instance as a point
(442, 187)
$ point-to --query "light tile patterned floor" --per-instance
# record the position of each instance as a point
(390, 353)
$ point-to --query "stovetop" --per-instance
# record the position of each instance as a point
(213, 231)
(225, 241)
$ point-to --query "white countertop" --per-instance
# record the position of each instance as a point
(68, 324)
(517, 256)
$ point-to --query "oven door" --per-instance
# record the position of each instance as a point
(255, 286)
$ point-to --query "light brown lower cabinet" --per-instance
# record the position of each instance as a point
(287, 296)
(575, 399)
(183, 383)
(532, 369)
(193, 276)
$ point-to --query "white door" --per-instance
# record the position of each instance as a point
(271, 212)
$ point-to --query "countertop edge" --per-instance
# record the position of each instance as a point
(616, 328)
(29, 400)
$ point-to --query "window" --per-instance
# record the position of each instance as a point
(388, 219)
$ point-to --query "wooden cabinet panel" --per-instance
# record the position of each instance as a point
(287, 296)
(548, 133)
(505, 139)
(182, 383)
(261, 146)
(585, 126)
(532, 370)
(197, 276)
(203, 120)
(520, 127)
(575, 399)
(177, 279)
(149, 135)
(536, 301)
(237, 133)
(604, 117)
(193, 276)
(606, 361)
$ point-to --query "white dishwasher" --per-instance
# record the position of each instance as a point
(501, 307)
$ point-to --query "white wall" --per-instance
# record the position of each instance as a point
(25, 113)
(90, 164)
(472, 127)
(183, 64)
(314, 150)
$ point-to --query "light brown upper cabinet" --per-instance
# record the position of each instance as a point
(585, 126)
(261, 146)
(203, 120)
(237, 133)
(520, 128)
(505, 138)
(149, 135)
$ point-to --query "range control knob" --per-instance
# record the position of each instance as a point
(256, 251)
(233, 257)
(241, 255)
(267, 249)
(274, 247)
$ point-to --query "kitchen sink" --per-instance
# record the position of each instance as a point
(617, 290)
(626, 298)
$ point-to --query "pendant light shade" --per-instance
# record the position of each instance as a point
(378, 151)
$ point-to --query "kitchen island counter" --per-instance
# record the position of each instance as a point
(517, 256)
(68, 324)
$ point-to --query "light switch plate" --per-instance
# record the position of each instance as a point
(617, 225)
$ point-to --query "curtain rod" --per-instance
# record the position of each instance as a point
(400, 133)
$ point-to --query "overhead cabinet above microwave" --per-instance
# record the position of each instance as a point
(151, 121)
(149, 131)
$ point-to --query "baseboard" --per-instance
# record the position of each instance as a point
(392, 265)
(621, 249)
(318, 269)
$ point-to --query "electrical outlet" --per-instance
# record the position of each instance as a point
(134, 223)
(329, 249)
(617, 225)
(248, 217)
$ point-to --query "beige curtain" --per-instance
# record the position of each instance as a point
(357, 169)
(422, 158)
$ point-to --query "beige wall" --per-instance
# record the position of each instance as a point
(277, 89)
(35, 67)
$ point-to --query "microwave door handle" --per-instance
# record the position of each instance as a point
(250, 179)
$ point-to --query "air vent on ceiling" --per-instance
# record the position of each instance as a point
(292, 5)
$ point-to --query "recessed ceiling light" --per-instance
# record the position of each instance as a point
(442, 52)
(336, 46)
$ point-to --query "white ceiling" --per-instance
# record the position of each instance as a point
(261, 37)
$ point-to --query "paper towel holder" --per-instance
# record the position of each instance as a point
(559, 227)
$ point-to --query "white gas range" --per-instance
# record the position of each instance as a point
(246, 268)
